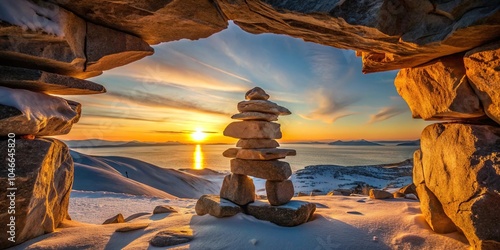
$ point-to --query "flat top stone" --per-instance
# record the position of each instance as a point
(270, 170)
(263, 106)
(253, 130)
(262, 153)
(256, 93)
(257, 143)
(245, 116)
(41, 81)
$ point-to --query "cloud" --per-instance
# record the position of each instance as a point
(181, 132)
(331, 105)
(153, 100)
(386, 113)
(125, 117)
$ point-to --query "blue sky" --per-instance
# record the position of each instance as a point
(195, 85)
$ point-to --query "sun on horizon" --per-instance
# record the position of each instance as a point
(198, 135)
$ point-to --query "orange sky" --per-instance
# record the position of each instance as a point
(195, 85)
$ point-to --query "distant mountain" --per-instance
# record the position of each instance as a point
(354, 143)
(307, 142)
(96, 143)
(410, 143)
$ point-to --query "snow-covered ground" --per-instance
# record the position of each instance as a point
(340, 222)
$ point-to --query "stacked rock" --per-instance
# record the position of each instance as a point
(257, 153)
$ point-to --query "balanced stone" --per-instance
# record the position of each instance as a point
(259, 153)
(230, 152)
(292, 214)
(257, 143)
(279, 192)
(238, 189)
(256, 93)
(265, 153)
(245, 116)
(41, 81)
(270, 170)
(215, 206)
(262, 106)
(253, 130)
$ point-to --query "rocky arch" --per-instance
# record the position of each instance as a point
(448, 53)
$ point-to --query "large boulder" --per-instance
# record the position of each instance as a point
(482, 67)
(390, 34)
(152, 20)
(439, 90)
(23, 112)
(41, 183)
(55, 42)
(461, 167)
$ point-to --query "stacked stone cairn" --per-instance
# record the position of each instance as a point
(257, 154)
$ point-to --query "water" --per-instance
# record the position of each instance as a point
(210, 156)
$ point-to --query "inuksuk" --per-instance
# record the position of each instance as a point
(257, 155)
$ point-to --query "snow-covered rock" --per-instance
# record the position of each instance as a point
(25, 112)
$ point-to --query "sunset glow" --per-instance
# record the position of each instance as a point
(187, 91)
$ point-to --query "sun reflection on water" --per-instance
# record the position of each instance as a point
(198, 157)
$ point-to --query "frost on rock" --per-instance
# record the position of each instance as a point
(31, 16)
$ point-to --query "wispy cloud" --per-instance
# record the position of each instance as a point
(181, 132)
(125, 117)
(386, 113)
(153, 100)
(331, 105)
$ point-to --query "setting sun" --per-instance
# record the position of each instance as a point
(198, 135)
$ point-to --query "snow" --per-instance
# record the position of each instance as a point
(97, 173)
(377, 224)
(340, 222)
(36, 106)
(31, 16)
